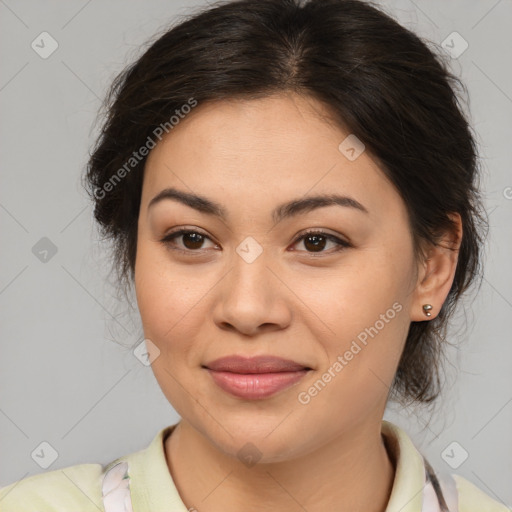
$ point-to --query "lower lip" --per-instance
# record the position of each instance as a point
(254, 386)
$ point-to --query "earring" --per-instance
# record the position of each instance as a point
(426, 309)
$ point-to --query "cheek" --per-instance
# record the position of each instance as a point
(161, 294)
(170, 299)
(362, 357)
(352, 297)
(361, 321)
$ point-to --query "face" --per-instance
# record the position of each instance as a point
(253, 283)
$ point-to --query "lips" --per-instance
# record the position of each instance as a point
(255, 378)
(259, 364)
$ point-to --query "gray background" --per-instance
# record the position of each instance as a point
(68, 376)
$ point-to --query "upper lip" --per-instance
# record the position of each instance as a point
(258, 364)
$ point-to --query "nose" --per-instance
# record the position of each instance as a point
(252, 298)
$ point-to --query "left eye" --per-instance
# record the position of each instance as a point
(193, 240)
(318, 239)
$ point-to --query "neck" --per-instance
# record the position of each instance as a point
(352, 472)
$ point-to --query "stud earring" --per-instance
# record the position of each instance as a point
(426, 309)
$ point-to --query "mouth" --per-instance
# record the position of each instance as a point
(255, 378)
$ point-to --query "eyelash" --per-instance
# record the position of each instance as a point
(342, 244)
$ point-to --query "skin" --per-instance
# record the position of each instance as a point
(291, 301)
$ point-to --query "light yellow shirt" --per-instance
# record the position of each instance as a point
(141, 482)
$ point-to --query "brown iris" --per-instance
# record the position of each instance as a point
(316, 244)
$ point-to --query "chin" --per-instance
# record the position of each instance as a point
(257, 440)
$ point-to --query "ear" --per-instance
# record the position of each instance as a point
(436, 273)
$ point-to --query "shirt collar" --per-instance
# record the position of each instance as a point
(409, 482)
(151, 484)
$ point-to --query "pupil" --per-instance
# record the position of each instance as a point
(316, 244)
(195, 238)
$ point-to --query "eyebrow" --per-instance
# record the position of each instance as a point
(283, 211)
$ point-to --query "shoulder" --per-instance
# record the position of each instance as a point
(96, 487)
(71, 488)
(413, 472)
(473, 499)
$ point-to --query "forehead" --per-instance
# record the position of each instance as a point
(259, 151)
(285, 122)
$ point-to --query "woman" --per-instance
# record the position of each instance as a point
(291, 189)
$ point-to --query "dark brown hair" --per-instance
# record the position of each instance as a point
(379, 80)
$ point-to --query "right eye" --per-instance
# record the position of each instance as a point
(191, 240)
